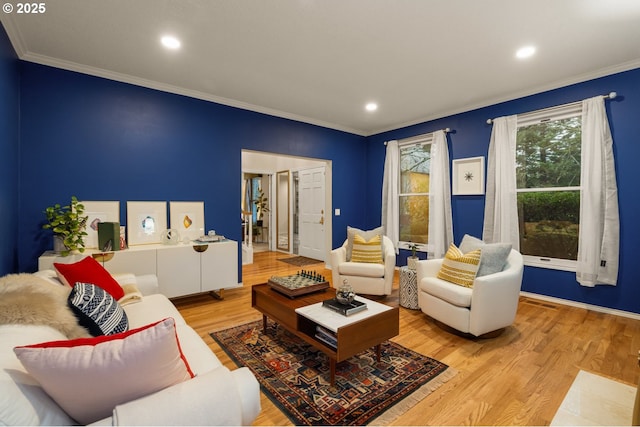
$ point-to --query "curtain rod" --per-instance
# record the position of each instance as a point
(610, 95)
(445, 130)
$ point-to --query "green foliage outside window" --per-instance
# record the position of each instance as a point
(548, 157)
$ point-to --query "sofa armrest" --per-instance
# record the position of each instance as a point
(213, 398)
(148, 284)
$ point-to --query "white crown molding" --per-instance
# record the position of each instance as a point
(125, 78)
(585, 306)
(14, 35)
(581, 78)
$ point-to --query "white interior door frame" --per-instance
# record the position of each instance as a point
(270, 163)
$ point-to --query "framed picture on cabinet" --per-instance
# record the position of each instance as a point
(145, 222)
(468, 176)
(188, 219)
(98, 212)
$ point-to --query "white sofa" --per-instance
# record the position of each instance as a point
(490, 305)
(202, 400)
(364, 278)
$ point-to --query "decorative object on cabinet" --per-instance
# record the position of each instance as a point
(188, 219)
(68, 226)
(468, 176)
(97, 212)
(109, 236)
(123, 241)
(170, 237)
(146, 222)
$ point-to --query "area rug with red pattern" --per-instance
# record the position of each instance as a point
(295, 377)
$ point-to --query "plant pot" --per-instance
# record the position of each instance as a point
(58, 244)
(412, 262)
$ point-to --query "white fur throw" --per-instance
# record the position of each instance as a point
(30, 300)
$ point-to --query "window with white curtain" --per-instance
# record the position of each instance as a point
(415, 168)
(548, 149)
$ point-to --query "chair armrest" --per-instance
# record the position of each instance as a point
(389, 265)
(338, 256)
(428, 268)
(494, 300)
(212, 398)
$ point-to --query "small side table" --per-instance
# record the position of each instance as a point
(408, 288)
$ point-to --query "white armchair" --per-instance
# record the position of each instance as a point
(488, 306)
(365, 278)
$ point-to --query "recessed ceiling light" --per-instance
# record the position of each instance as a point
(170, 42)
(372, 106)
(525, 52)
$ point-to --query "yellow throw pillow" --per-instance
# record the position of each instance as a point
(460, 268)
(369, 251)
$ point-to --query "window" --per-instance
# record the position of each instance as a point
(415, 165)
(548, 185)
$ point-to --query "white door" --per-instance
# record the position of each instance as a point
(312, 213)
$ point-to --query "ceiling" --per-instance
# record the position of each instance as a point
(321, 61)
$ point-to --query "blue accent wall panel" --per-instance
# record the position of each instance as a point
(470, 138)
(9, 151)
(99, 139)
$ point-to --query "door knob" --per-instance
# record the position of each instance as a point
(322, 220)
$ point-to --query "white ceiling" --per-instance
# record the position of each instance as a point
(321, 61)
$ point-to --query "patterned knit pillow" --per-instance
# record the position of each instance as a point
(459, 268)
(369, 251)
(97, 310)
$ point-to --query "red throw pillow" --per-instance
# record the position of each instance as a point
(88, 270)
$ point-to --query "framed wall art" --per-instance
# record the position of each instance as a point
(468, 176)
(145, 222)
(188, 219)
(98, 212)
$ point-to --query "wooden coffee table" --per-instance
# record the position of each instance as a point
(302, 315)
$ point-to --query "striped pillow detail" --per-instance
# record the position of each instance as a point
(369, 251)
(460, 268)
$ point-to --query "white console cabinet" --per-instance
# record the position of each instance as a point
(183, 269)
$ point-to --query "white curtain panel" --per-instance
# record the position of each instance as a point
(599, 236)
(440, 219)
(390, 187)
(501, 203)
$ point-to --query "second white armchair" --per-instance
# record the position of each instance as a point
(365, 278)
(489, 305)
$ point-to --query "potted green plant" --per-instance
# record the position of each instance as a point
(68, 226)
(413, 259)
(262, 206)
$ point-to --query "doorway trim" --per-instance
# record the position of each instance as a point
(267, 163)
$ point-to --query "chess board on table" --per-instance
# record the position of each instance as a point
(302, 283)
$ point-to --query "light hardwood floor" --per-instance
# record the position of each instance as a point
(517, 378)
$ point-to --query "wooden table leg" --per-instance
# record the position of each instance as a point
(264, 324)
(332, 370)
(378, 347)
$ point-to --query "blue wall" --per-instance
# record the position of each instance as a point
(9, 144)
(103, 140)
(470, 138)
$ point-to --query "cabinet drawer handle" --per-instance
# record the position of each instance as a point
(103, 256)
(200, 248)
